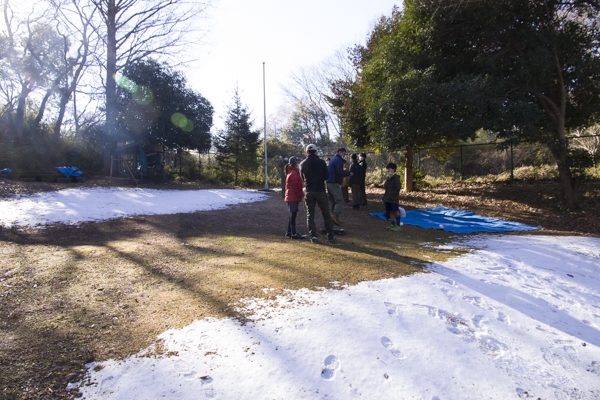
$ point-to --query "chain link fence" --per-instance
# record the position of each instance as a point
(496, 160)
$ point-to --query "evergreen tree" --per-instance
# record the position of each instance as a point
(237, 144)
(156, 106)
(439, 70)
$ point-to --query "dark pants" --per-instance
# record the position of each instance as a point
(312, 199)
(356, 194)
(363, 194)
(338, 197)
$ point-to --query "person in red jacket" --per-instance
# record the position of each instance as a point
(293, 195)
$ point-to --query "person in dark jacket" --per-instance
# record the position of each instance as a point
(391, 197)
(362, 162)
(314, 172)
(293, 195)
(355, 180)
(334, 183)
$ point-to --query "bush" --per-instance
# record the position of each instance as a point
(40, 157)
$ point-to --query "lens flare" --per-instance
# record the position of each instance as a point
(126, 83)
(143, 95)
(182, 122)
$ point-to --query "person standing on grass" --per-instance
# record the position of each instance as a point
(391, 197)
(362, 162)
(355, 180)
(314, 172)
(293, 194)
(334, 183)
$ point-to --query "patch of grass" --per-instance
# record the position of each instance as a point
(106, 290)
(70, 295)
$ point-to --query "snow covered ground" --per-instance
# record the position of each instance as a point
(517, 317)
(73, 206)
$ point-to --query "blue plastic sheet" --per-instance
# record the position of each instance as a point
(5, 171)
(458, 221)
(69, 171)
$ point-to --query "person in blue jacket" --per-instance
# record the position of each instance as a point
(334, 183)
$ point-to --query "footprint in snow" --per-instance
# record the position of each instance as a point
(490, 346)
(207, 387)
(108, 383)
(594, 368)
(479, 320)
(477, 302)
(556, 360)
(332, 365)
(299, 325)
(449, 281)
(393, 309)
(449, 294)
(432, 311)
(503, 318)
(183, 368)
(391, 346)
(572, 353)
(190, 336)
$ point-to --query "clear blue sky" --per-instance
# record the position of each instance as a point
(284, 34)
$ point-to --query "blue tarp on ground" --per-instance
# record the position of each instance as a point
(458, 221)
(5, 171)
(69, 171)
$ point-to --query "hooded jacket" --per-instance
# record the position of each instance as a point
(293, 185)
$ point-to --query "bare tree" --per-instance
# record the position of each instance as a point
(308, 95)
(28, 60)
(132, 30)
(47, 52)
(74, 23)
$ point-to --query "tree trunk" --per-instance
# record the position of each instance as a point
(20, 114)
(65, 95)
(569, 195)
(556, 112)
(408, 171)
(42, 109)
(111, 70)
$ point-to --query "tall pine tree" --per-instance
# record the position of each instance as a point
(237, 144)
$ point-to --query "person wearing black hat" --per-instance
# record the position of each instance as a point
(314, 172)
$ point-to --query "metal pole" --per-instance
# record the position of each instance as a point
(265, 130)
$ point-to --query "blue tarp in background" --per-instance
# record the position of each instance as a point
(69, 171)
(5, 171)
(458, 221)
